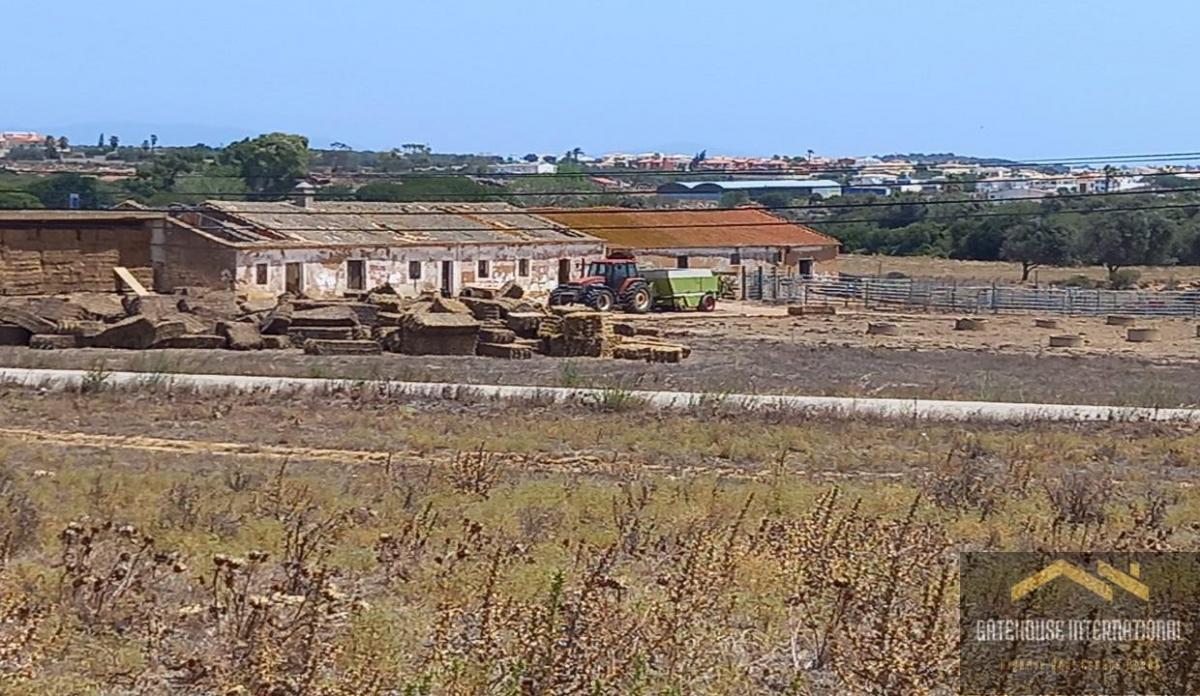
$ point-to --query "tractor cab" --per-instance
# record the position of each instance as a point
(611, 271)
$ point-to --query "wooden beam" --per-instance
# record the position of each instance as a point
(126, 277)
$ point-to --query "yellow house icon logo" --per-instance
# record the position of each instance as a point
(1129, 582)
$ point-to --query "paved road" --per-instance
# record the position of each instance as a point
(917, 409)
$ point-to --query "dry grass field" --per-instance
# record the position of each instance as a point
(171, 543)
(999, 271)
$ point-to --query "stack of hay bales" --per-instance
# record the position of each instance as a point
(438, 333)
(581, 334)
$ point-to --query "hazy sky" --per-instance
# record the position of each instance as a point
(1015, 78)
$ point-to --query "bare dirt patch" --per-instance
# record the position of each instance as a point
(751, 348)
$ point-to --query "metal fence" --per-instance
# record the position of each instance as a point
(932, 295)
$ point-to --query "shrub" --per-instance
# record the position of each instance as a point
(1124, 279)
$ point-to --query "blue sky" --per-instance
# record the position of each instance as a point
(1018, 78)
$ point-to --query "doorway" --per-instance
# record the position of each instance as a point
(356, 274)
(293, 278)
(447, 279)
(564, 270)
(806, 268)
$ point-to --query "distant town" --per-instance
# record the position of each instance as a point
(31, 153)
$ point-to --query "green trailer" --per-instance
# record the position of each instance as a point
(682, 288)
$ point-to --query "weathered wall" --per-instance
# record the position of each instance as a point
(47, 259)
(722, 259)
(182, 255)
(325, 270)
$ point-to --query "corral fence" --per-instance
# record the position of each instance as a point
(940, 296)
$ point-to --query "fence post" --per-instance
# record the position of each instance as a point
(995, 301)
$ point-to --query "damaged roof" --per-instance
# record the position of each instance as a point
(688, 228)
(339, 223)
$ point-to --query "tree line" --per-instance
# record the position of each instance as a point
(1051, 232)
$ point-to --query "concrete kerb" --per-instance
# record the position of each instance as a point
(828, 406)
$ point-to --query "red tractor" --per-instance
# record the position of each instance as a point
(611, 282)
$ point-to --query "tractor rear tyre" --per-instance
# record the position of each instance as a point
(707, 303)
(602, 300)
(637, 299)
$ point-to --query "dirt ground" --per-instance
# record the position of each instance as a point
(752, 348)
(999, 271)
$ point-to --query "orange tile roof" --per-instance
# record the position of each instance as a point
(708, 227)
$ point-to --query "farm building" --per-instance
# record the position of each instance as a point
(737, 240)
(323, 249)
(44, 252)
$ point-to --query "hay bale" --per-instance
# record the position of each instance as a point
(276, 342)
(882, 328)
(1141, 335)
(240, 335)
(524, 324)
(216, 305)
(484, 309)
(811, 310)
(624, 328)
(319, 347)
(137, 333)
(1046, 323)
(508, 351)
(448, 305)
(970, 324)
(298, 335)
(438, 333)
(632, 351)
(156, 307)
(53, 341)
(511, 291)
(106, 307)
(666, 354)
(1119, 320)
(85, 328)
(278, 320)
(495, 335)
(1066, 341)
(13, 335)
(479, 292)
(193, 341)
(25, 319)
(339, 316)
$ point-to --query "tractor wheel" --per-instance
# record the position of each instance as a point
(602, 300)
(707, 303)
(637, 300)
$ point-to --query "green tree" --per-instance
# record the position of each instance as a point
(113, 142)
(434, 188)
(17, 200)
(270, 163)
(1038, 242)
(1133, 238)
(55, 191)
(732, 199)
